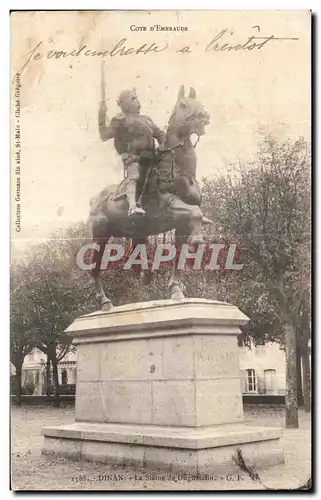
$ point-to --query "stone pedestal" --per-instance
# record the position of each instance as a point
(158, 384)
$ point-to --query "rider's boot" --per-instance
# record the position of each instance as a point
(135, 208)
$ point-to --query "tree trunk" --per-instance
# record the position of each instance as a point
(55, 379)
(18, 384)
(306, 379)
(291, 394)
(299, 375)
(48, 377)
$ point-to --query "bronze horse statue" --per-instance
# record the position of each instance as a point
(171, 195)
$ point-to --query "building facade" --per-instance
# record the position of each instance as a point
(262, 370)
(34, 376)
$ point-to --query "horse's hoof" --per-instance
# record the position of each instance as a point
(176, 293)
(106, 305)
(177, 296)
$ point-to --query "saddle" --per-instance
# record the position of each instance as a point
(172, 180)
(167, 178)
(147, 159)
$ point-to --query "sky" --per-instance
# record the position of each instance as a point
(248, 94)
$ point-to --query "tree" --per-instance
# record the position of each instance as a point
(22, 340)
(265, 207)
(303, 333)
(57, 292)
(50, 291)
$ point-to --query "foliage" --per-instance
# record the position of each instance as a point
(22, 338)
(264, 207)
(29, 388)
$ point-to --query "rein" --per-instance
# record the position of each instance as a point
(180, 145)
(172, 151)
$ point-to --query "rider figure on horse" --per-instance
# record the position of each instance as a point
(133, 136)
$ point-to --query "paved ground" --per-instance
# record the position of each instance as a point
(31, 471)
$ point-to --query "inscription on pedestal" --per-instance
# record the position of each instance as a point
(216, 357)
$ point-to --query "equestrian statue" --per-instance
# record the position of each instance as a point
(159, 191)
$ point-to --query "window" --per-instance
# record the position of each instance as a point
(250, 380)
(64, 377)
(270, 381)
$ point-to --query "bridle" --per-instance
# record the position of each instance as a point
(181, 144)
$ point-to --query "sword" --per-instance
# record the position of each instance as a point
(102, 75)
(102, 83)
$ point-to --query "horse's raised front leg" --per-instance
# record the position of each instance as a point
(98, 228)
(188, 220)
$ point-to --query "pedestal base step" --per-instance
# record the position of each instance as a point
(182, 449)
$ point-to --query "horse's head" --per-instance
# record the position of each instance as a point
(188, 116)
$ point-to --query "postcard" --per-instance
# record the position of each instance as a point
(160, 250)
